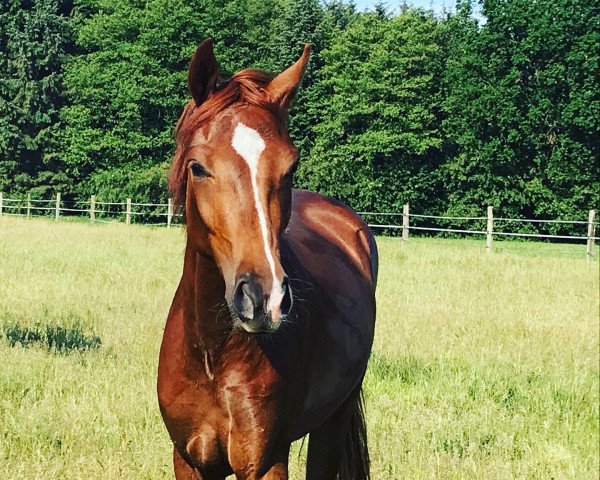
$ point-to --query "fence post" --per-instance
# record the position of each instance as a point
(490, 229)
(591, 234)
(57, 208)
(169, 212)
(405, 222)
(1, 200)
(28, 205)
(128, 212)
(92, 208)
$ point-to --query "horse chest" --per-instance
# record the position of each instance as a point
(193, 418)
(208, 413)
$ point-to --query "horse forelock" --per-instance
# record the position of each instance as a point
(245, 87)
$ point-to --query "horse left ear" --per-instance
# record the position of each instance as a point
(284, 86)
(203, 72)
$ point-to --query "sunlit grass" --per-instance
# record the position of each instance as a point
(485, 365)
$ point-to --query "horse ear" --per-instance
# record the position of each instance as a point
(203, 72)
(285, 85)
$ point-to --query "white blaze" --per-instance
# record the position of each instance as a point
(249, 145)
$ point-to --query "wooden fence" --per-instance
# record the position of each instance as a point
(489, 232)
(148, 212)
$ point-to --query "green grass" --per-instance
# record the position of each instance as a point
(485, 366)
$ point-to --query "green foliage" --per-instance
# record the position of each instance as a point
(125, 91)
(397, 106)
(521, 110)
(306, 21)
(128, 87)
(379, 142)
(35, 38)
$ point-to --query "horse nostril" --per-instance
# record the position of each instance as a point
(240, 301)
(247, 297)
(286, 302)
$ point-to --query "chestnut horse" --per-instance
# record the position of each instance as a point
(271, 327)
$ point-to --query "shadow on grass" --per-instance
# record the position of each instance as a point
(55, 338)
(406, 370)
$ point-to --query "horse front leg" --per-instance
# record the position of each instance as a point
(279, 468)
(275, 468)
(182, 470)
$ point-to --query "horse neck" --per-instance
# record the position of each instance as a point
(206, 316)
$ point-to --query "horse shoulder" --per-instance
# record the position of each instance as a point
(321, 225)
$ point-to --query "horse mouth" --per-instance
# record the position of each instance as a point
(262, 324)
(258, 331)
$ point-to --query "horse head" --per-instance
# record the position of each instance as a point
(232, 172)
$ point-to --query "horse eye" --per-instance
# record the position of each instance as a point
(198, 170)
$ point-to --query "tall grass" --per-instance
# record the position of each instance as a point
(485, 366)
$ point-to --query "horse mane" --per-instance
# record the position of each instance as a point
(245, 87)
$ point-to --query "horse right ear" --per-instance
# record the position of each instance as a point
(203, 73)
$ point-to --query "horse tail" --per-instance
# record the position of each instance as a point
(355, 461)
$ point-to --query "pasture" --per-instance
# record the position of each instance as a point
(485, 366)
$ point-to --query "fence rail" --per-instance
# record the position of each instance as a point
(164, 213)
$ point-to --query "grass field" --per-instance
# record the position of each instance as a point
(485, 366)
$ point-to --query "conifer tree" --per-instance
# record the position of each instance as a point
(35, 39)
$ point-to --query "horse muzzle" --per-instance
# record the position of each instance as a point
(256, 311)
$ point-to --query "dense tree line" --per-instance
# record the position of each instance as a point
(397, 106)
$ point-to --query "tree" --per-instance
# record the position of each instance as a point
(35, 39)
(301, 23)
(379, 143)
(521, 110)
(128, 88)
